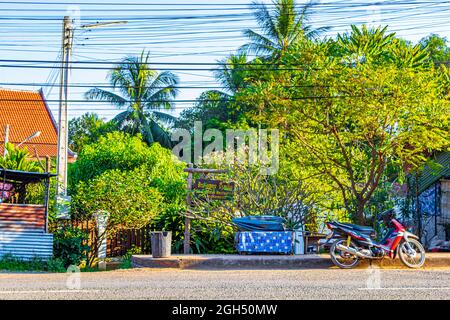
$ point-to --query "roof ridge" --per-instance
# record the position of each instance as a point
(19, 90)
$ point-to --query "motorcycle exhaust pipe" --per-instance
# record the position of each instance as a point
(352, 251)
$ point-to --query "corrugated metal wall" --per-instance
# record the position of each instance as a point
(26, 245)
(432, 174)
(20, 217)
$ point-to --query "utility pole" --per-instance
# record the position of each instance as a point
(67, 39)
(5, 152)
(62, 200)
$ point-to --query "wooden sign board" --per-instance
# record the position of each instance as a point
(215, 189)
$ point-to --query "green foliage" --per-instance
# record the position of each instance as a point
(17, 159)
(11, 263)
(87, 129)
(206, 236)
(70, 246)
(283, 23)
(212, 237)
(142, 91)
(436, 47)
(132, 183)
(172, 219)
(126, 196)
(366, 117)
(123, 152)
(364, 44)
(126, 259)
(215, 108)
(55, 265)
(377, 46)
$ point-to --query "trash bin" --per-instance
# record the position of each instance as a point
(161, 244)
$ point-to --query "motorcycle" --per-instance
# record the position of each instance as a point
(355, 243)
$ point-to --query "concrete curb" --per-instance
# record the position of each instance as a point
(323, 261)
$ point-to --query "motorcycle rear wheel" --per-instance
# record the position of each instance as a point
(341, 259)
(412, 259)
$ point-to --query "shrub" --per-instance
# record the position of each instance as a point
(126, 259)
(11, 263)
(56, 265)
(120, 151)
(127, 198)
(70, 246)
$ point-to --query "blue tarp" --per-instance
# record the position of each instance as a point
(255, 242)
(260, 223)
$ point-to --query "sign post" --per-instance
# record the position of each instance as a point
(218, 192)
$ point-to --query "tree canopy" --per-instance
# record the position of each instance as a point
(348, 122)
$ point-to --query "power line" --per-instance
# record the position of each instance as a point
(330, 4)
(159, 69)
(139, 87)
(185, 100)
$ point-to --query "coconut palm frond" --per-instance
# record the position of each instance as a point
(103, 95)
(164, 117)
(315, 34)
(153, 132)
(232, 71)
(259, 44)
(283, 25)
(266, 22)
(164, 80)
(122, 117)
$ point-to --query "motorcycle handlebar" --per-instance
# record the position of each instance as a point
(384, 214)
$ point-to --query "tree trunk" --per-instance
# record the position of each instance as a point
(360, 218)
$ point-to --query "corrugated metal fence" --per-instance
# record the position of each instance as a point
(26, 245)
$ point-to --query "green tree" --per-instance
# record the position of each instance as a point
(216, 108)
(353, 121)
(127, 197)
(120, 151)
(131, 182)
(87, 129)
(364, 44)
(283, 23)
(378, 46)
(143, 91)
(436, 47)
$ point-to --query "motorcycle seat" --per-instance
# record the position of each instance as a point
(356, 227)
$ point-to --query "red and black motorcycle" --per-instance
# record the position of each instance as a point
(356, 242)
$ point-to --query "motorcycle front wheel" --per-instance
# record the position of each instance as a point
(342, 259)
(411, 253)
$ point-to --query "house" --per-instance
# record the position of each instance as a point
(433, 189)
(26, 112)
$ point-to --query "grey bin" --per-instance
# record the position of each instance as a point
(161, 244)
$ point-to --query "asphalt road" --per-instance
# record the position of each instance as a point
(230, 284)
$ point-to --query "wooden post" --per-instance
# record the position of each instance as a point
(48, 164)
(187, 220)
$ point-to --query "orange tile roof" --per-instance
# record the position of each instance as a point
(27, 112)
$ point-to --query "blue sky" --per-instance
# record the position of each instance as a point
(173, 31)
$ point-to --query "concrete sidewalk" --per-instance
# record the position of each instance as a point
(311, 261)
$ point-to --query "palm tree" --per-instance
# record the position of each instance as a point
(365, 44)
(231, 74)
(282, 26)
(142, 92)
(376, 45)
(215, 106)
